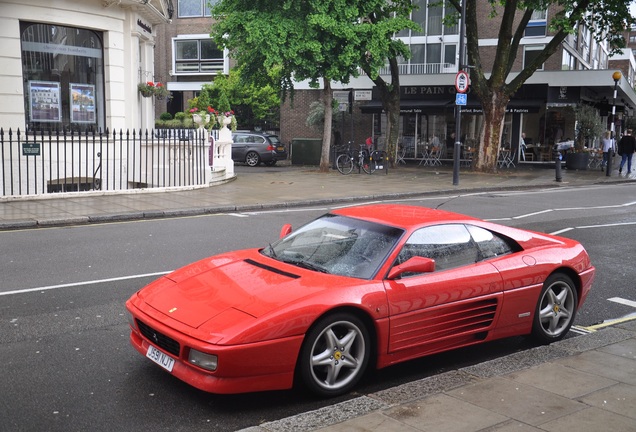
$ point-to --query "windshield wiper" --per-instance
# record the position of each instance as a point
(306, 264)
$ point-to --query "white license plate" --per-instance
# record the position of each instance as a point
(163, 360)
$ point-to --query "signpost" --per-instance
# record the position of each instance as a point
(461, 82)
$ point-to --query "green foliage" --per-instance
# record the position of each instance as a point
(279, 42)
(180, 116)
(253, 105)
(165, 116)
(607, 19)
(588, 125)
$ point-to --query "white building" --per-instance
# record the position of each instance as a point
(75, 64)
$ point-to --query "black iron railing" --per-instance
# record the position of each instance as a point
(54, 162)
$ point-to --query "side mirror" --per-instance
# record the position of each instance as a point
(417, 264)
(286, 229)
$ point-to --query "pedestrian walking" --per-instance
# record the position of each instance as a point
(626, 148)
(608, 146)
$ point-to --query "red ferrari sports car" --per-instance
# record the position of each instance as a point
(360, 287)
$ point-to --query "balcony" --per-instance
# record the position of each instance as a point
(422, 68)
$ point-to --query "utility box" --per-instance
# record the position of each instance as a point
(306, 151)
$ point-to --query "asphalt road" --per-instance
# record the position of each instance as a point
(66, 361)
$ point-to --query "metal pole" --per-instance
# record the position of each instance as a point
(608, 171)
(458, 112)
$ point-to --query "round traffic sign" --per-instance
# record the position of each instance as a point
(461, 82)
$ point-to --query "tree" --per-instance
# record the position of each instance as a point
(253, 105)
(313, 40)
(495, 90)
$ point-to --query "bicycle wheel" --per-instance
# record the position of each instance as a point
(368, 165)
(344, 164)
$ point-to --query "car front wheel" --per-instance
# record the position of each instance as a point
(556, 309)
(335, 354)
(252, 159)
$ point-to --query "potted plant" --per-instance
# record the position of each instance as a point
(161, 92)
(588, 127)
(204, 118)
(146, 89)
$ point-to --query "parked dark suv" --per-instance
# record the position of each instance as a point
(255, 147)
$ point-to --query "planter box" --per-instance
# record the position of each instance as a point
(577, 161)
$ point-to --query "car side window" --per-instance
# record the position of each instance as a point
(450, 245)
(240, 138)
(258, 139)
(491, 245)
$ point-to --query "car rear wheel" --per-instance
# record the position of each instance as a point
(556, 309)
(252, 159)
(335, 354)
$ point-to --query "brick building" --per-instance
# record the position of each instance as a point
(580, 71)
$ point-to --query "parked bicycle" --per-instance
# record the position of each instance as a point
(365, 159)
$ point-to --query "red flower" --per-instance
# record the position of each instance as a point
(150, 84)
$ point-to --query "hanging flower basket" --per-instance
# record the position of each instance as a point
(146, 89)
(161, 92)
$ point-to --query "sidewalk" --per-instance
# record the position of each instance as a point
(279, 187)
(583, 383)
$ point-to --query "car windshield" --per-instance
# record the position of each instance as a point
(274, 139)
(337, 245)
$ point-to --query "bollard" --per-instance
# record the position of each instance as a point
(557, 167)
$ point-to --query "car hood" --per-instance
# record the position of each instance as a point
(240, 281)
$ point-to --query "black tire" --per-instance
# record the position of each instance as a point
(344, 164)
(334, 355)
(368, 166)
(252, 159)
(555, 310)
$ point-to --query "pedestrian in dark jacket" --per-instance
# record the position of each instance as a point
(626, 148)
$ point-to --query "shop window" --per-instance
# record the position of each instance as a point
(63, 73)
(197, 56)
(194, 8)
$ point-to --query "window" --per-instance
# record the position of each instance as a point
(197, 56)
(490, 245)
(456, 245)
(194, 8)
(449, 245)
(530, 53)
(429, 14)
(538, 24)
(63, 74)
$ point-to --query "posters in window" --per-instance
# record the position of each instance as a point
(45, 101)
(82, 103)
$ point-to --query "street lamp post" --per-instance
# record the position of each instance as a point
(616, 76)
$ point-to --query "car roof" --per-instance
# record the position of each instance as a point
(253, 133)
(404, 216)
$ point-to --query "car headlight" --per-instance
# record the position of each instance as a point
(131, 322)
(203, 360)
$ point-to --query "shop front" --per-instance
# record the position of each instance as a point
(427, 120)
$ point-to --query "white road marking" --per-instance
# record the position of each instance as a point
(623, 301)
(52, 287)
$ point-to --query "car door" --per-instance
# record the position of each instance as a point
(239, 147)
(455, 305)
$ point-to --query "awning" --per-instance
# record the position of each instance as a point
(429, 106)
(409, 106)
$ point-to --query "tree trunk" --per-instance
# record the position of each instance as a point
(327, 98)
(393, 126)
(491, 134)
